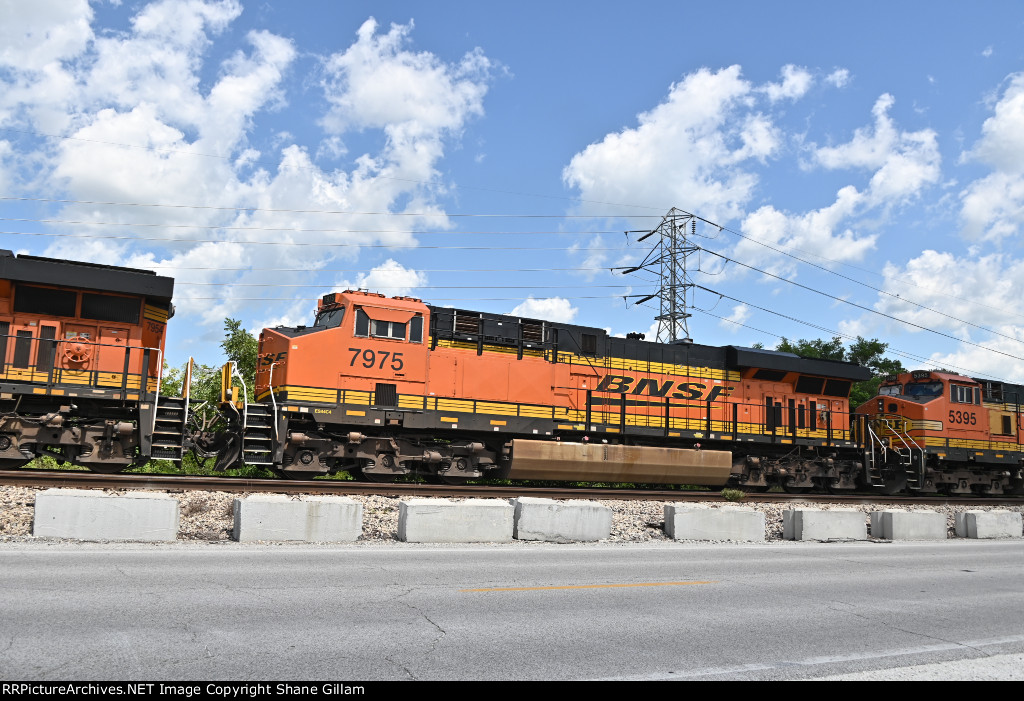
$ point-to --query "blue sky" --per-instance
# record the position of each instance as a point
(870, 159)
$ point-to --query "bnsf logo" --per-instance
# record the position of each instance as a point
(652, 388)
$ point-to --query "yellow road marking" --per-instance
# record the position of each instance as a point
(593, 586)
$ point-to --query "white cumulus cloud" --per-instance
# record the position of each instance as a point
(392, 278)
(154, 115)
(547, 309)
(738, 316)
(839, 78)
(796, 81)
(689, 149)
(993, 206)
(903, 162)
(899, 165)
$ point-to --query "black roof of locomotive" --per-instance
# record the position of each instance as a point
(740, 357)
(569, 337)
(88, 276)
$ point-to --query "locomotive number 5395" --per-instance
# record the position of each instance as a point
(963, 417)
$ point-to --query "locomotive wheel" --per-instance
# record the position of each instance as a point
(789, 486)
(452, 475)
(829, 488)
(13, 463)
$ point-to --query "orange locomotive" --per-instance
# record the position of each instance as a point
(383, 386)
(81, 351)
(938, 431)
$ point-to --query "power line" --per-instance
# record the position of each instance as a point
(414, 232)
(334, 211)
(908, 323)
(781, 250)
(245, 242)
(888, 348)
(406, 287)
(363, 270)
(859, 306)
(520, 300)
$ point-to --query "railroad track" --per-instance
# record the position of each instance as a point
(90, 480)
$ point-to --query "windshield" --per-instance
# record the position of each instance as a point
(329, 319)
(923, 389)
(890, 390)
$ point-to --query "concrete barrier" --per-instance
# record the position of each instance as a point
(314, 519)
(560, 522)
(444, 521)
(814, 524)
(988, 524)
(908, 525)
(84, 514)
(693, 522)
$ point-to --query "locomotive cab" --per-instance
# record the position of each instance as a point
(374, 345)
(951, 427)
(935, 400)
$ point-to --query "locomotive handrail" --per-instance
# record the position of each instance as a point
(159, 379)
(273, 399)
(903, 436)
(187, 385)
(245, 393)
(876, 439)
(52, 359)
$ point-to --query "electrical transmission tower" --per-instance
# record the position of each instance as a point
(668, 259)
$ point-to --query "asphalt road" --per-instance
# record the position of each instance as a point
(522, 611)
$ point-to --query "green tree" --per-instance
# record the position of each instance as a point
(241, 348)
(818, 348)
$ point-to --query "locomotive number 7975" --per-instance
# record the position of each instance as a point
(368, 358)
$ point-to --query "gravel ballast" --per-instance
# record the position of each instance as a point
(207, 516)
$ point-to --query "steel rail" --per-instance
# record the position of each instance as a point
(91, 480)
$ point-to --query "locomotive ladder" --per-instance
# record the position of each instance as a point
(258, 435)
(169, 428)
(909, 456)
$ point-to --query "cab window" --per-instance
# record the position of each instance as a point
(890, 390)
(387, 329)
(416, 329)
(964, 395)
(928, 390)
(330, 318)
(376, 328)
(411, 331)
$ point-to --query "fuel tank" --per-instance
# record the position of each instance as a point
(600, 462)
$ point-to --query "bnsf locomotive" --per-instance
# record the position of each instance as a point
(81, 352)
(387, 386)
